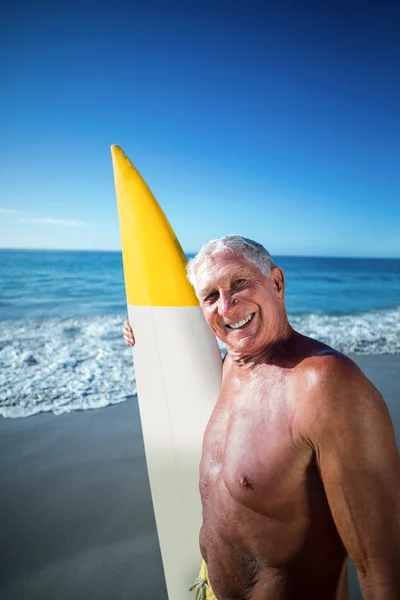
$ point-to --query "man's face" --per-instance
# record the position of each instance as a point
(241, 305)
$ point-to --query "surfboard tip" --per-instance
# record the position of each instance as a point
(118, 154)
(154, 262)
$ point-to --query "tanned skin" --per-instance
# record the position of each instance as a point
(299, 467)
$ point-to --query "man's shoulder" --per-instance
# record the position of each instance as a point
(318, 367)
(330, 389)
(326, 369)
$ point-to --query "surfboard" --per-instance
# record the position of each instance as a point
(177, 367)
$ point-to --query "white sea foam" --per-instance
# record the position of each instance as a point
(375, 332)
(82, 363)
(63, 365)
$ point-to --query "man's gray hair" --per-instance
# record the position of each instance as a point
(252, 251)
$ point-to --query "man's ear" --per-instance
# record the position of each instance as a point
(278, 281)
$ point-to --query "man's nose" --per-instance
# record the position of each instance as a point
(225, 301)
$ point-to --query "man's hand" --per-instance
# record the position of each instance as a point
(129, 338)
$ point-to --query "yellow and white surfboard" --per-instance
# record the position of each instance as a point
(177, 366)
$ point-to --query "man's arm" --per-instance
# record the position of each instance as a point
(350, 429)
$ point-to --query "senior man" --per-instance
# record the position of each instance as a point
(299, 466)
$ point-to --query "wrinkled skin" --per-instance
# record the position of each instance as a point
(288, 488)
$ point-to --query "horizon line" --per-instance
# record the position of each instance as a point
(194, 253)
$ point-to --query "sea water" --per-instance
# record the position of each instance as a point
(61, 318)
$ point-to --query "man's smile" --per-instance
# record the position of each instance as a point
(240, 323)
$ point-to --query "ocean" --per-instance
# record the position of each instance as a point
(61, 317)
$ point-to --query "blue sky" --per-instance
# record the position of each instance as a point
(282, 124)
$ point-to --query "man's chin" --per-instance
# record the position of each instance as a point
(244, 344)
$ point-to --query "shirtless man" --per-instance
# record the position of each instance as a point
(299, 467)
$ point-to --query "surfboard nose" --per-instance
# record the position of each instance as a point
(154, 262)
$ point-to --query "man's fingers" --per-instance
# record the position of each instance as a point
(127, 328)
(128, 334)
(129, 339)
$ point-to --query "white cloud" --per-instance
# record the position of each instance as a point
(12, 211)
(51, 221)
(44, 220)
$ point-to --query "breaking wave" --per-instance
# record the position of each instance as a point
(61, 365)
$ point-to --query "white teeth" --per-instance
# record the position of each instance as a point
(240, 323)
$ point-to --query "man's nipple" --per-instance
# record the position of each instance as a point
(245, 482)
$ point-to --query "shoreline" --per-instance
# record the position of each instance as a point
(77, 518)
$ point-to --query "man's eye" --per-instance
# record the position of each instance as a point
(211, 297)
(239, 283)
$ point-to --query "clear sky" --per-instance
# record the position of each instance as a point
(278, 123)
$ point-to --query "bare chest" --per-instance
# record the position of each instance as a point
(249, 450)
(263, 501)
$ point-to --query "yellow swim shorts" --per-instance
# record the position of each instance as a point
(202, 585)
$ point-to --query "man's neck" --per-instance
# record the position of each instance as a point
(273, 352)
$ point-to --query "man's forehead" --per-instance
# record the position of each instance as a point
(221, 266)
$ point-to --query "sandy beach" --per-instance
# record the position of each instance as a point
(75, 506)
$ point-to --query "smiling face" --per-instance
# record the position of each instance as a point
(243, 307)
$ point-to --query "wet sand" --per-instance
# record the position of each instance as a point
(75, 507)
